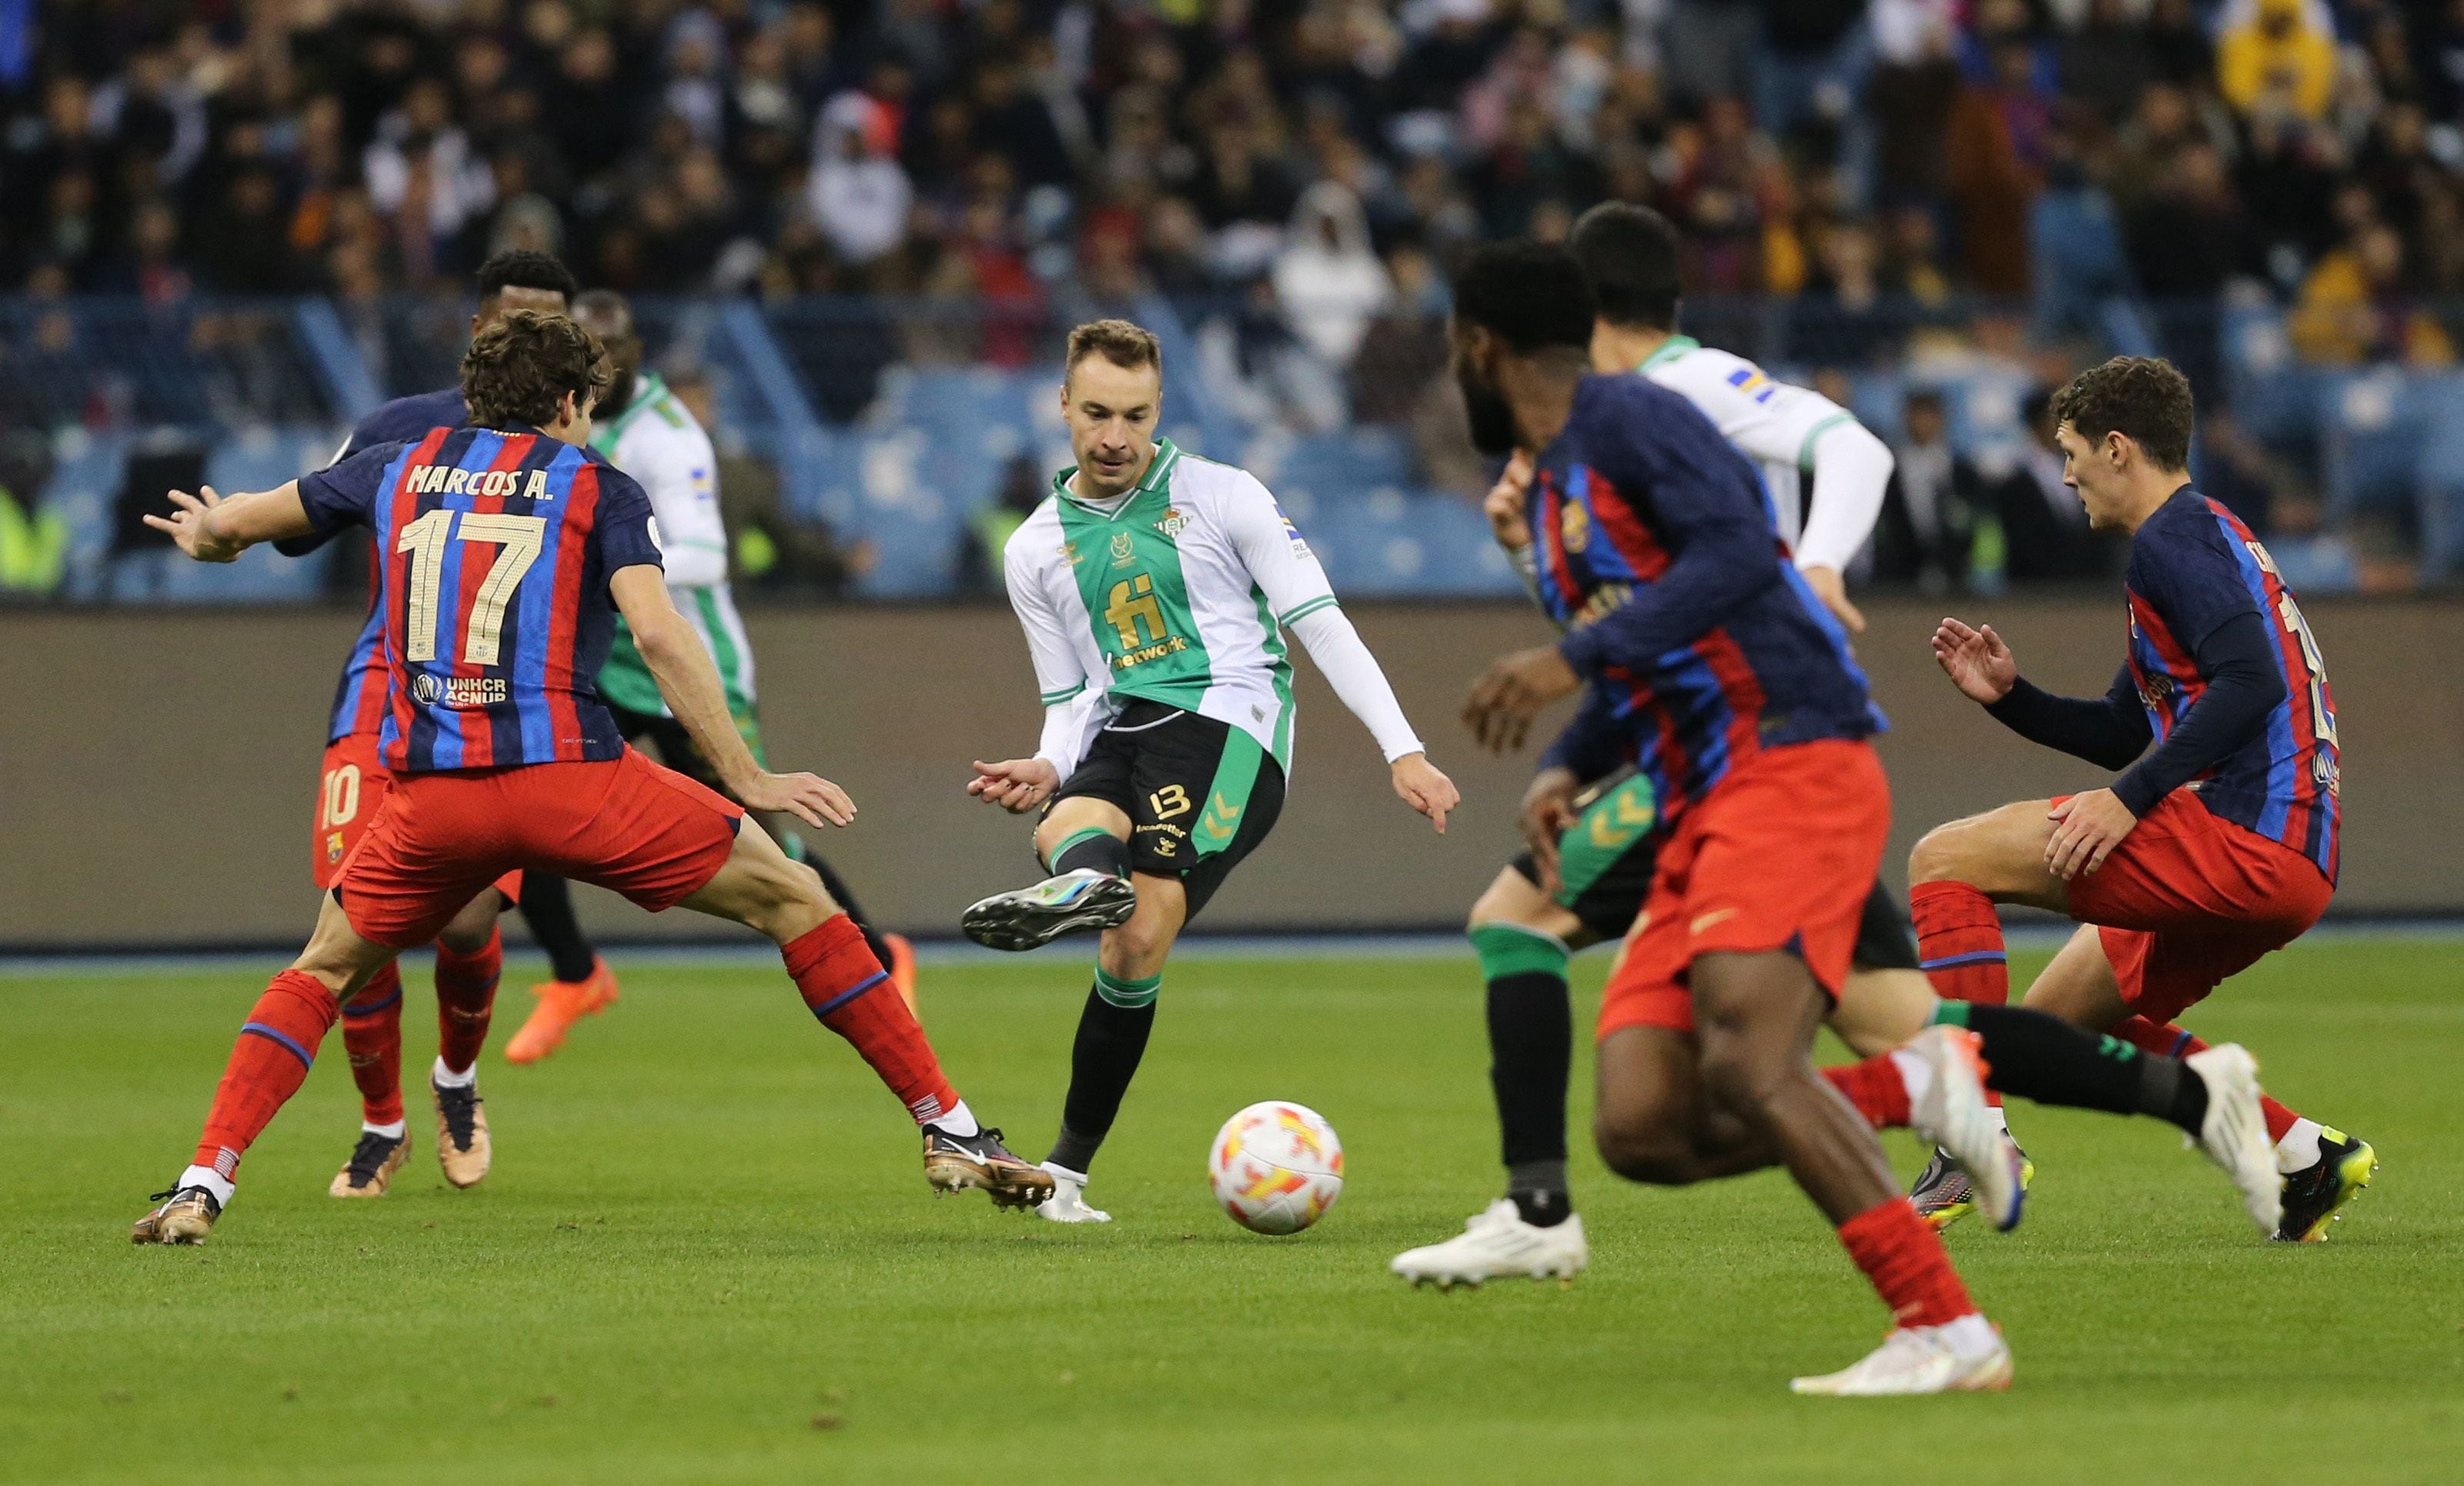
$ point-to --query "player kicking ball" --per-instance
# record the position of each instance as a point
(508, 550)
(2217, 846)
(1154, 588)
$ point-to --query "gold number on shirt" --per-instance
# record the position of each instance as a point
(342, 793)
(2322, 717)
(518, 539)
(1133, 609)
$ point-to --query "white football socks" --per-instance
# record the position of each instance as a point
(394, 1131)
(2299, 1147)
(444, 1077)
(1914, 1072)
(210, 1180)
(956, 1120)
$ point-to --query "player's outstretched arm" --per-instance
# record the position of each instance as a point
(212, 528)
(690, 684)
(1017, 785)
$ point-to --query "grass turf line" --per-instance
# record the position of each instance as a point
(706, 1232)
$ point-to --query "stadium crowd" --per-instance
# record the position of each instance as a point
(1879, 167)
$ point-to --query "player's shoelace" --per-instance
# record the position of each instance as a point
(370, 1155)
(460, 1107)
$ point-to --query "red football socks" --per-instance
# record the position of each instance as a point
(267, 1064)
(2175, 1042)
(836, 973)
(466, 996)
(1908, 1264)
(1959, 942)
(1959, 945)
(1877, 1088)
(372, 1037)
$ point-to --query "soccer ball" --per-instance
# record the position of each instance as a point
(1277, 1167)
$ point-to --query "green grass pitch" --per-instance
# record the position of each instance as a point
(707, 1254)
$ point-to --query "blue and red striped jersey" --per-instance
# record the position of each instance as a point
(360, 698)
(1657, 551)
(496, 548)
(2193, 565)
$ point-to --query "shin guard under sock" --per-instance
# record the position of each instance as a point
(836, 974)
(372, 1040)
(268, 1063)
(466, 997)
(1113, 1031)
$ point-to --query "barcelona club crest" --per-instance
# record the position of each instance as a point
(332, 847)
(1575, 526)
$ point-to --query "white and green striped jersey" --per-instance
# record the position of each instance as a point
(1178, 593)
(655, 439)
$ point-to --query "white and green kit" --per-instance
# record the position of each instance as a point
(655, 439)
(1178, 594)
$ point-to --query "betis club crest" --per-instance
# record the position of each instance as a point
(1174, 519)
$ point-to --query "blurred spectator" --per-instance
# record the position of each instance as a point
(2357, 306)
(859, 194)
(2278, 56)
(1998, 136)
(1024, 483)
(1327, 280)
(1929, 515)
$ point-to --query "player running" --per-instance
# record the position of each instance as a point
(1613, 847)
(643, 430)
(470, 950)
(2214, 848)
(505, 544)
(1525, 929)
(1154, 588)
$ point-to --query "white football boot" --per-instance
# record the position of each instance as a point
(1067, 1203)
(1497, 1244)
(2234, 1133)
(1966, 1356)
(1953, 1113)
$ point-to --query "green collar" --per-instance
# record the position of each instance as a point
(648, 389)
(1158, 476)
(1669, 350)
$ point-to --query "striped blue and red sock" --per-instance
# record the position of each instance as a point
(838, 975)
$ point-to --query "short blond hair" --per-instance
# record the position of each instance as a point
(1126, 345)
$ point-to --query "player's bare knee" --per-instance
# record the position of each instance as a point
(1137, 947)
(473, 927)
(1644, 1149)
(1937, 854)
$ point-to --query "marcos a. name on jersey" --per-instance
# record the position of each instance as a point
(496, 548)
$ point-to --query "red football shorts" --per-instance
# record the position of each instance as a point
(353, 786)
(626, 824)
(2188, 900)
(1779, 855)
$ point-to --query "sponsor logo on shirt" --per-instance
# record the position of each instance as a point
(430, 689)
(1606, 598)
(1751, 381)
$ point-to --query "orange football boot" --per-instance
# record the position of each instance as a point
(902, 968)
(560, 1004)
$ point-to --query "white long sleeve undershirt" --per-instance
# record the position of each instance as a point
(1336, 649)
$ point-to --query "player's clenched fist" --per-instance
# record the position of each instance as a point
(1426, 788)
(1017, 785)
(1547, 812)
(807, 797)
(1975, 660)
